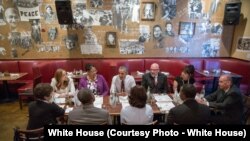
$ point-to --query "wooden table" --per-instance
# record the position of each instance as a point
(5, 79)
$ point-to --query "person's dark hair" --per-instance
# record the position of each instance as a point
(88, 67)
(138, 97)
(85, 95)
(188, 90)
(42, 89)
(189, 69)
(156, 26)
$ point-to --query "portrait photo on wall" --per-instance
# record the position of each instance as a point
(187, 28)
(111, 39)
(148, 11)
(168, 9)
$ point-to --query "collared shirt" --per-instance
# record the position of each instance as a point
(129, 82)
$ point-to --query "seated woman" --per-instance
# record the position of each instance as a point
(138, 112)
(63, 86)
(186, 77)
(93, 81)
(42, 111)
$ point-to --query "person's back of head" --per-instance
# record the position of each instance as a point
(188, 91)
(138, 97)
(86, 96)
(43, 90)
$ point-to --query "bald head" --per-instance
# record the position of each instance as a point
(225, 82)
(154, 69)
(11, 16)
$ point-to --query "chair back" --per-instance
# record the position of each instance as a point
(29, 135)
(37, 76)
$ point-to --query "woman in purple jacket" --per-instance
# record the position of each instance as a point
(95, 82)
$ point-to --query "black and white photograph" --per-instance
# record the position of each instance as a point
(2, 22)
(177, 49)
(168, 9)
(14, 38)
(49, 14)
(48, 47)
(36, 30)
(148, 11)
(213, 7)
(243, 44)
(13, 53)
(12, 17)
(135, 11)
(78, 8)
(122, 12)
(186, 28)
(26, 41)
(71, 41)
(91, 45)
(27, 3)
(52, 33)
(195, 8)
(105, 17)
(169, 29)
(111, 38)
(131, 47)
(211, 48)
(157, 32)
(2, 51)
(144, 33)
(96, 3)
(205, 27)
(216, 28)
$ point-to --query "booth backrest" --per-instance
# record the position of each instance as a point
(9, 66)
(109, 67)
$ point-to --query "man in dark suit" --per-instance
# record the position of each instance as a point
(155, 80)
(226, 103)
(190, 111)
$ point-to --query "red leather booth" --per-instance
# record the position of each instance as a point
(109, 67)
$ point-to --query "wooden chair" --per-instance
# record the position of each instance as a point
(28, 135)
(26, 91)
(151, 123)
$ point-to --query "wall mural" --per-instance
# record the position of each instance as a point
(174, 28)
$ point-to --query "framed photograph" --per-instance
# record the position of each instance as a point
(111, 38)
(187, 28)
(148, 11)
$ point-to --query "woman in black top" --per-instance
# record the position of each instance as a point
(186, 77)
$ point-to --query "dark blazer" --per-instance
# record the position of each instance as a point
(189, 112)
(42, 113)
(229, 104)
(148, 81)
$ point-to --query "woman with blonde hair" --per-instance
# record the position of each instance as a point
(63, 86)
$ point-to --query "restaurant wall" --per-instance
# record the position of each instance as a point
(241, 40)
(34, 31)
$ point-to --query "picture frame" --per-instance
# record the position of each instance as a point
(187, 28)
(148, 11)
(111, 39)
